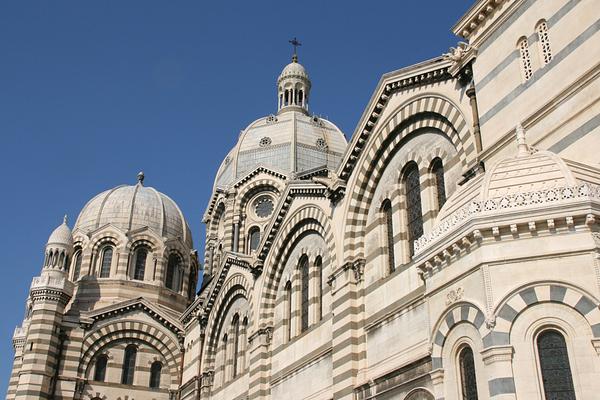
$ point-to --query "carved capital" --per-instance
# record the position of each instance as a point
(497, 354)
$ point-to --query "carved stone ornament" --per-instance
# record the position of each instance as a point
(454, 295)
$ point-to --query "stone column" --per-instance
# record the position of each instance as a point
(348, 338)
(236, 233)
(259, 372)
(428, 199)
(498, 368)
(475, 115)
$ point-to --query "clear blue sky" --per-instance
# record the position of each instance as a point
(94, 91)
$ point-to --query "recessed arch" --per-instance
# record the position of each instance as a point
(306, 219)
(428, 112)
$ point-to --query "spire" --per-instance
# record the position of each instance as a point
(140, 177)
(65, 219)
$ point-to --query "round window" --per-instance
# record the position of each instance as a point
(263, 206)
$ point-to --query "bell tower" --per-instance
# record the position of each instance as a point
(39, 340)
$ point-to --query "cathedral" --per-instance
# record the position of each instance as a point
(449, 249)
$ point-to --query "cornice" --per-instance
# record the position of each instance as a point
(218, 281)
(475, 17)
(88, 319)
(476, 233)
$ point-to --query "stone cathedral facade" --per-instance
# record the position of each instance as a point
(449, 250)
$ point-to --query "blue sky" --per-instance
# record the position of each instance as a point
(93, 92)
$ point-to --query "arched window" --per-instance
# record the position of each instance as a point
(100, 368)
(106, 261)
(253, 239)
(526, 69)
(155, 371)
(173, 272)
(288, 310)
(544, 41)
(128, 365)
(319, 268)
(140, 264)
(386, 210)
(236, 343)
(554, 363)
(414, 211)
(437, 170)
(468, 379)
(304, 293)
(77, 265)
(61, 259)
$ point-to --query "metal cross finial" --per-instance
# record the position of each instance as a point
(294, 42)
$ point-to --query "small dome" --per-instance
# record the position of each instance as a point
(293, 69)
(61, 235)
(134, 207)
(539, 170)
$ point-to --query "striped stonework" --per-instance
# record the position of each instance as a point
(433, 113)
(306, 219)
(43, 345)
(236, 286)
(348, 341)
(460, 312)
(136, 331)
(509, 309)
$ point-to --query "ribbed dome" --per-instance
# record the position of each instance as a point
(134, 207)
(61, 235)
(293, 69)
(289, 143)
(538, 170)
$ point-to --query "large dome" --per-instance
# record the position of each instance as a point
(134, 207)
(291, 142)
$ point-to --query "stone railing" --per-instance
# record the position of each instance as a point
(509, 202)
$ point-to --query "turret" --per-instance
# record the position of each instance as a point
(293, 85)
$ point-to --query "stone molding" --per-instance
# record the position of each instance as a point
(517, 201)
(495, 354)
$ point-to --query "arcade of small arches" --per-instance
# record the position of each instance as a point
(410, 211)
(141, 265)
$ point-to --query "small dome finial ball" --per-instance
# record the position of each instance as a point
(140, 177)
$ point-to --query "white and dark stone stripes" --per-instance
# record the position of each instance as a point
(163, 342)
(462, 312)
(508, 311)
(309, 218)
(427, 112)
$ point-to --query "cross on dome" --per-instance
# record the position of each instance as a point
(294, 42)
